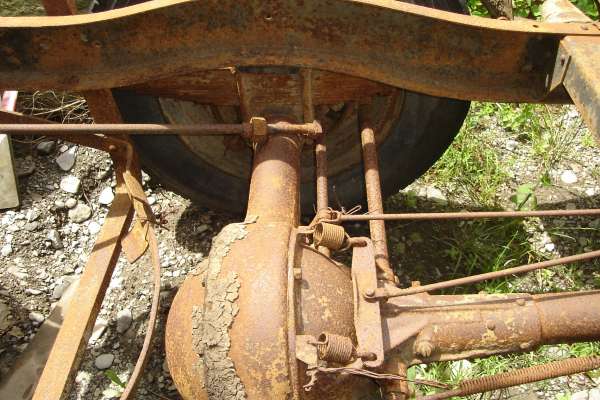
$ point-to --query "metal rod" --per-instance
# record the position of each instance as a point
(374, 197)
(320, 148)
(308, 129)
(467, 215)
(387, 293)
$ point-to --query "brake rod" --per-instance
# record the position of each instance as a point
(388, 293)
(466, 215)
(310, 129)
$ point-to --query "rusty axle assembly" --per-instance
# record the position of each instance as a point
(269, 314)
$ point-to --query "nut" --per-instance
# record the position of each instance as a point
(259, 129)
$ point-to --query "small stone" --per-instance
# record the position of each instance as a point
(46, 147)
(202, 228)
(34, 292)
(15, 331)
(59, 204)
(36, 317)
(32, 215)
(124, 320)
(31, 226)
(511, 144)
(70, 184)
(17, 272)
(5, 250)
(106, 196)
(99, 329)
(54, 238)
(66, 160)
(80, 213)
(70, 203)
(436, 195)
(549, 246)
(568, 177)
(94, 227)
(111, 393)
(104, 361)
(60, 289)
(590, 191)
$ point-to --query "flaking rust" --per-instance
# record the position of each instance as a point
(211, 323)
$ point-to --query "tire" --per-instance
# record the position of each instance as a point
(424, 129)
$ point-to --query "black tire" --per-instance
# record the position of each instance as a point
(424, 129)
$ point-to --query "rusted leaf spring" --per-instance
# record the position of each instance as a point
(311, 129)
(395, 43)
(387, 293)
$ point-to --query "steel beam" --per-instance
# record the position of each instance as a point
(403, 45)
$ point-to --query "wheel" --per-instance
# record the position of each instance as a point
(215, 173)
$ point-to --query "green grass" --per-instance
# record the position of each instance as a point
(474, 168)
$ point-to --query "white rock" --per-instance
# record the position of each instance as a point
(6, 250)
(511, 144)
(151, 200)
(593, 394)
(17, 272)
(590, 191)
(104, 361)
(436, 195)
(34, 292)
(568, 177)
(54, 238)
(70, 203)
(99, 329)
(94, 227)
(46, 147)
(80, 213)
(124, 320)
(106, 196)
(549, 247)
(70, 184)
(66, 160)
(36, 317)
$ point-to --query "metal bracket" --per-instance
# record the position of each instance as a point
(367, 312)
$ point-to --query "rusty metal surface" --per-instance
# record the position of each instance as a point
(367, 314)
(249, 130)
(219, 87)
(520, 376)
(423, 328)
(374, 196)
(73, 336)
(576, 63)
(323, 304)
(395, 43)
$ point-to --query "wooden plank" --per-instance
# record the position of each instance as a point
(9, 194)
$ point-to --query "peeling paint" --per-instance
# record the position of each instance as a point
(211, 323)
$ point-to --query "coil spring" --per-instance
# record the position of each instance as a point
(329, 235)
(335, 348)
(531, 374)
